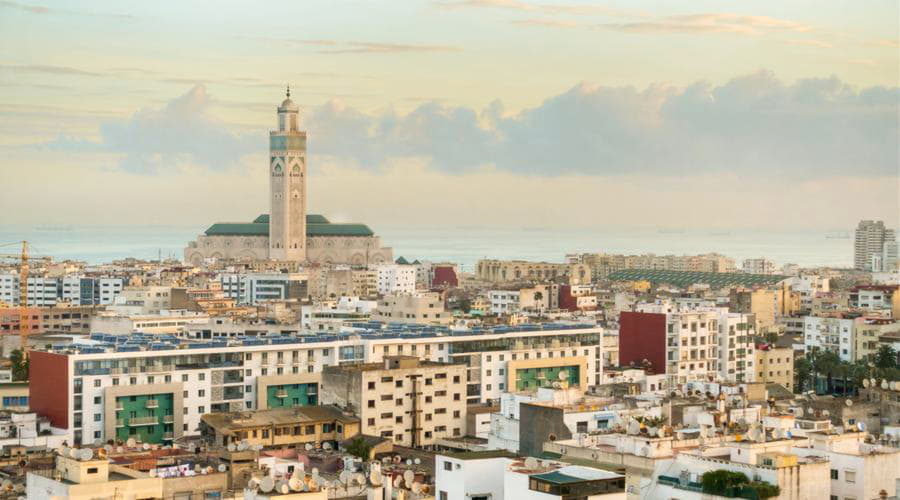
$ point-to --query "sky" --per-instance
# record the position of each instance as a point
(655, 114)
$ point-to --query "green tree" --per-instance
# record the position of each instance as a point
(539, 301)
(19, 365)
(886, 357)
(359, 448)
(803, 370)
(826, 363)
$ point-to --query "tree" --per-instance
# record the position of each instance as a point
(359, 448)
(886, 357)
(539, 301)
(826, 362)
(19, 365)
(803, 369)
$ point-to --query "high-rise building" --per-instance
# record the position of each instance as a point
(287, 181)
(872, 238)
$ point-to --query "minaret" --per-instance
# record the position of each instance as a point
(287, 185)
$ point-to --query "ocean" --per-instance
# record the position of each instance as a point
(461, 244)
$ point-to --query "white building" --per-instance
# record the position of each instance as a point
(870, 239)
(758, 266)
(857, 469)
(46, 291)
(504, 302)
(253, 288)
(807, 286)
(396, 279)
(833, 334)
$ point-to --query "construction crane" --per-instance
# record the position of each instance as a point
(23, 259)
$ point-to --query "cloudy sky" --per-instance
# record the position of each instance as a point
(708, 113)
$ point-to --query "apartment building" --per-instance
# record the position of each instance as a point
(254, 288)
(46, 291)
(871, 238)
(82, 385)
(416, 308)
(833, 333)
(869, 331)
(395, 279)
(758, 266)
(280, 427)
(61, 318)
(504, 302)
(775, 365)
(411, 401)
(874, 298)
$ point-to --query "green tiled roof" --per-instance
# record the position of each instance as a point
(310, 219)
(238, 229)
(686, 278)
(312, 229)
(401, 261)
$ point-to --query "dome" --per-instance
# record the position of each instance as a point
(288, 104)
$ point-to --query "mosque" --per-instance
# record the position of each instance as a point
(288, 233)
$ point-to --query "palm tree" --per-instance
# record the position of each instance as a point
(803, 370)
(539, 301)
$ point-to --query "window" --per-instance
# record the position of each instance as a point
(97, 383)
(850, 476)
(448, 466)
(443, 495)
(834, 474)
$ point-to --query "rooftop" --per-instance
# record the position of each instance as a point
(229, 422)
(479, 455)
(686, 278)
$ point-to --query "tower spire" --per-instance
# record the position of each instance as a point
(288, 90)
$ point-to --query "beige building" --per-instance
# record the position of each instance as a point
(503, 271)
(868, 331)
(280, 427)
(601, 265)
(411, 401)
(775, 366)
(419, 308)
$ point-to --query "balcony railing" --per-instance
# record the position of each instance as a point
(143, 421)
(168, 436)
(281, 394)
(120, 422)
(152, 403)
(119, 407)
(168, 419)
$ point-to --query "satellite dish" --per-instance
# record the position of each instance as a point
(315, 472)
(893, 385)
(866, 383)
(86, 454)
(241, 446)
(359, 478)
(375, 478)
(563, 375)
(73, 453)
(408, 461)
(798, 411)
(130, 443)
(282, 487)
(7, 484)
(295, 484)
(308, 447)
(146, 446)
(884, 383)
(327, 446)
(231, 447)
(223, 467)
(253, 483)
(531, 463)
(409, 477)
(397, 481)
(417, 461)
(417, 487)
(861, 426)
(848, 402)
(267, 484)
(345, 476)
(108, 448)
(825, 413)
(397, 459)
(152, 473)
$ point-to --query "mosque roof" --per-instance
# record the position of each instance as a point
(316, 225)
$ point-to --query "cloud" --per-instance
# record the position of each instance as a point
(182, 132)
(547, 23)
(546, 8)
(754, 124)
(47, 69)
(812, 43)
(711, 23)
(34, 9)
(324, 46)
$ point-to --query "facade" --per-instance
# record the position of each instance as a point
(758, 266)
(288, 232)
(602, 265)
(80, 384)
(835, 334)
(418, 308)
(856, 469)
(775, 365)
(874, 298)
(395, 279)
(47, 291)
(871, 240)
(63, 318)
(403, 398)
(253, 288)
(504, 302)
(281, 427)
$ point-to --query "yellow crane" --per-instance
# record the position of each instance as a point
(24, 321)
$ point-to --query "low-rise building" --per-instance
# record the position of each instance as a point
(775, 365)
(280, 427)
(421, 308)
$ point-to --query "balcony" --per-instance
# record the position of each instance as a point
(120, 422)
(281, 394)
(143, 421)
(168, 436)
(119, 407)
(168, 419)
(152, 403)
